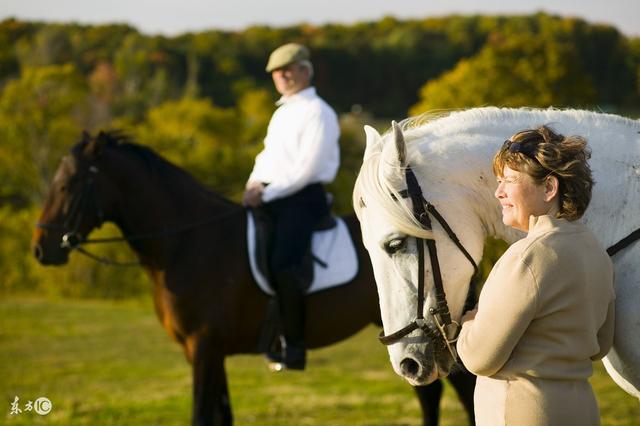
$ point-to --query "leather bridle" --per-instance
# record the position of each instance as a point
(71, 239)
(447, 329)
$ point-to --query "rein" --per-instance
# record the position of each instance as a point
(73, 240)
(624, 243)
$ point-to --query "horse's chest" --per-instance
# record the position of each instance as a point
(171, 315)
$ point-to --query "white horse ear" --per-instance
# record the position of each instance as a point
(373, 140)
(401, 147)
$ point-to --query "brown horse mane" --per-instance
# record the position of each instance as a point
(161, 168)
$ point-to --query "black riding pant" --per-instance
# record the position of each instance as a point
(294, 218)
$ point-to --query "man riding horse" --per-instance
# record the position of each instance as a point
(300, 154)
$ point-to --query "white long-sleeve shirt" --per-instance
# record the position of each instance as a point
(301, 146)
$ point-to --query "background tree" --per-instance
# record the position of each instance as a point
(540, 61)
(204, 100)
(39, 116)
(521, 70)
(205, 139)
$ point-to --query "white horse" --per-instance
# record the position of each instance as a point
(451, 158)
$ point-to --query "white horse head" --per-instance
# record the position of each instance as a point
(392, 234)
(451, 159)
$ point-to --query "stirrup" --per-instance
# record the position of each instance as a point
(276, 367)
(280, 362)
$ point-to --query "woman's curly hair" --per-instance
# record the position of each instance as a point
(540, 153)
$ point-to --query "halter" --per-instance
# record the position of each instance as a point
(447, 329)
(73, 240)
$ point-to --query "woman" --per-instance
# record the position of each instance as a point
(546, 310)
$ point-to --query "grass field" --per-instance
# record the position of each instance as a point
(110, 363)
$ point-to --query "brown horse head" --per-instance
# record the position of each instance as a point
(77, 202)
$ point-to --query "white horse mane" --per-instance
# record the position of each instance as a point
(382, 177)
(467, 118)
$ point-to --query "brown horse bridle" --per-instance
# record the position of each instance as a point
(73, 240)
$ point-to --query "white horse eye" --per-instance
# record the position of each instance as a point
(394, 245)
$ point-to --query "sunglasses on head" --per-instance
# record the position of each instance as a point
(523, 146)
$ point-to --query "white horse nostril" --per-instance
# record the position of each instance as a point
(409, 367)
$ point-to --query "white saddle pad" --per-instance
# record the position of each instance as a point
(333, 247)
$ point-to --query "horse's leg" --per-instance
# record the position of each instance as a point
(465, 383)
(429, 397)
(211, 403)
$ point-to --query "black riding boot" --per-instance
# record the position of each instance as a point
(290, 290)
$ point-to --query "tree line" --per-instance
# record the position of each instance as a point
(203, 100)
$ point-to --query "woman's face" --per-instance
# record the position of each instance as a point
(520, 197)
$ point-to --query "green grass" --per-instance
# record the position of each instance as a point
(110, 363)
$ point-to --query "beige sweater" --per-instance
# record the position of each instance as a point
(547, 308)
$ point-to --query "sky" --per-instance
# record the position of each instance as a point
(172, 17)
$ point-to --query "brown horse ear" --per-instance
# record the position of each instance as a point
(96, 145)
(86, 137)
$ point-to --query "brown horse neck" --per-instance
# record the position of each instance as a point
(162, 207)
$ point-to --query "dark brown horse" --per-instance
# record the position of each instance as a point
(192, 244)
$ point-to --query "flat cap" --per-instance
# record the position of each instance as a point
(287, 54)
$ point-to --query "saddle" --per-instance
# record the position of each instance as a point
(264, 233)
(330, 261)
